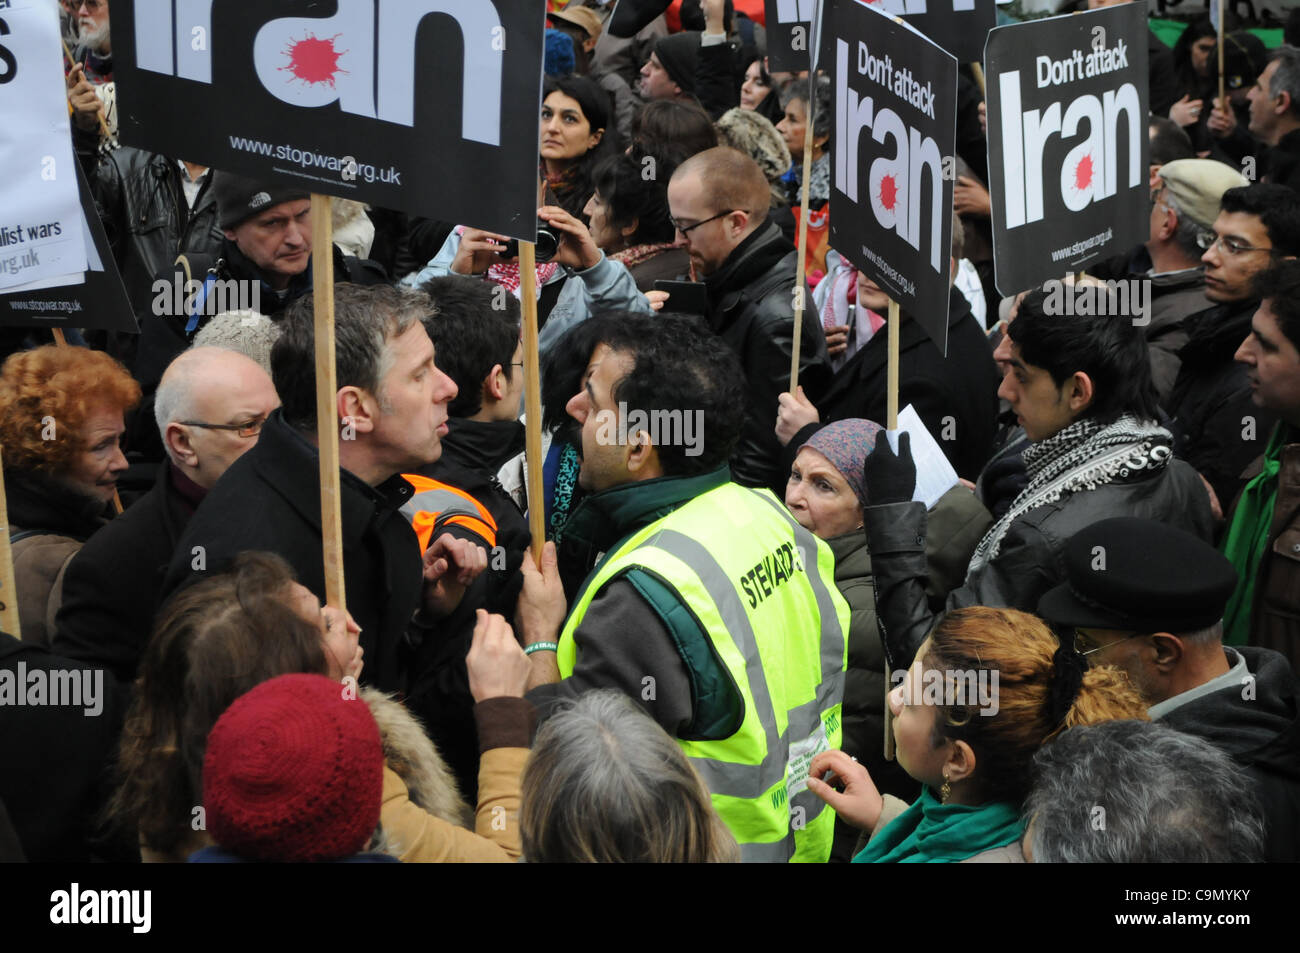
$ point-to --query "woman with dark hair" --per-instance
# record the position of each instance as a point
(61, 424)
(989, 687)
(670, 132)
(758, 92)
(1197, 73)
(218, 638)
(630, 221)
(576, 134)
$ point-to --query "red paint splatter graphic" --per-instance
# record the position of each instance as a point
(888, 192)
(314, 60)
(1083, 173)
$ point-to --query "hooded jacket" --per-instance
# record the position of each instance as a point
(1257, 723)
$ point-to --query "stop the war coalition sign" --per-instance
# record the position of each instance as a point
(429, 106)
(1067, 133)
(895, 124)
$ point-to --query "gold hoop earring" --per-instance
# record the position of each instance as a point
(945, 792)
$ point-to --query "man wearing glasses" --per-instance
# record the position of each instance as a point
(210, 408)
(719, 202)
(1184, 203)
(1149, 599)
(1216, 427)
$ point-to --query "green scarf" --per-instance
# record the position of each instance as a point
(932, 833)
(1247, 538)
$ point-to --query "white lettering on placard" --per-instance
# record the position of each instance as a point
(792, 11)
(895, 183)
(316, 61)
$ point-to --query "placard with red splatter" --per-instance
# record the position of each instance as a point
(1068, 145)
(427, 106)
(892, 145)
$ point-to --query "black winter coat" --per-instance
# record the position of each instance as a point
(955, 396)
(269, 500)
(751, 307)
(1210, 406)
(112, 587)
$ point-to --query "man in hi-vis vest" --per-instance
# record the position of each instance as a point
(705, 601)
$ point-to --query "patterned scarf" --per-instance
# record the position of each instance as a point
(637, 254)
(506, 273)
(1083, 456)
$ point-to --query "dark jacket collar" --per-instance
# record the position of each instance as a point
(37, 501)
(1215, 333)
(482, 444)
(754, 256)
(241, 266)
(291, 465)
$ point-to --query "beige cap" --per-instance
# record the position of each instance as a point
(1197, 187)
(584, 17)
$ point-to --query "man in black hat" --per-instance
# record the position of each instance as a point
(669, 73)
(263, 264)
(1149, 599)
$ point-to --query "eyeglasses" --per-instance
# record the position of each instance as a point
(687, 229)
(1082, 641)
(249, 429)
(1230, 246)
(94, 6)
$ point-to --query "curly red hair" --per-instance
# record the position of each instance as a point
(59, 385)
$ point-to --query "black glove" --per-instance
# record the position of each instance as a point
(890, 478)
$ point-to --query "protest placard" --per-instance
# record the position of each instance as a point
(97, 300)
(895, 97)
(41, 241)
(959, 26)
(428, 106)
(1067, 133)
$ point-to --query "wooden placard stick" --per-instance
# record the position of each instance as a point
(977, 70)
(8, 589)
(327, 413)
(800, 289)
(1223, 103)
(103, 123)
(532, 401)
(891, 423)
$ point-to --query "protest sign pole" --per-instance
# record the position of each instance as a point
(977, 70)
(327, 414)
(1222, 103)
(103, 123)
(532, 400)
(8, 589)
(800, 267)
(891, 377)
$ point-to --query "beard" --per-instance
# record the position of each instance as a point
(94, 37)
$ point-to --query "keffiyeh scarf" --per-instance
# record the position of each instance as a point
(1083, 456)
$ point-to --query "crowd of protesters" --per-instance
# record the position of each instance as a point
(746, 635)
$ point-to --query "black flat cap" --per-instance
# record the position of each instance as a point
(1140, 576)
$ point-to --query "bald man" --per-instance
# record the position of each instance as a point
(210, 407)
(719, 203)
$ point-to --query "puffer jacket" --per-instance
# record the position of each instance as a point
(48, 524)
(751, 307)
(957, 523)
(140, 197)
(1030, 559)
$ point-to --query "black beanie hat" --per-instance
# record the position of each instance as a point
(239, 199)
(678, 54)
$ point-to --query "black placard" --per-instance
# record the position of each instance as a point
(1067, 133)
(959, 26)
(428, 106)
(98, 304)
(891, 184)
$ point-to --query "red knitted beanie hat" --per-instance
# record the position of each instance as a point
(293, 772)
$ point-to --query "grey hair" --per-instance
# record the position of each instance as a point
(1141, 792)
(1286, 78)
(248, 332)
(366, 320)
(1211, 635)
(1186, 234)
(606, 784)
(823, 106)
